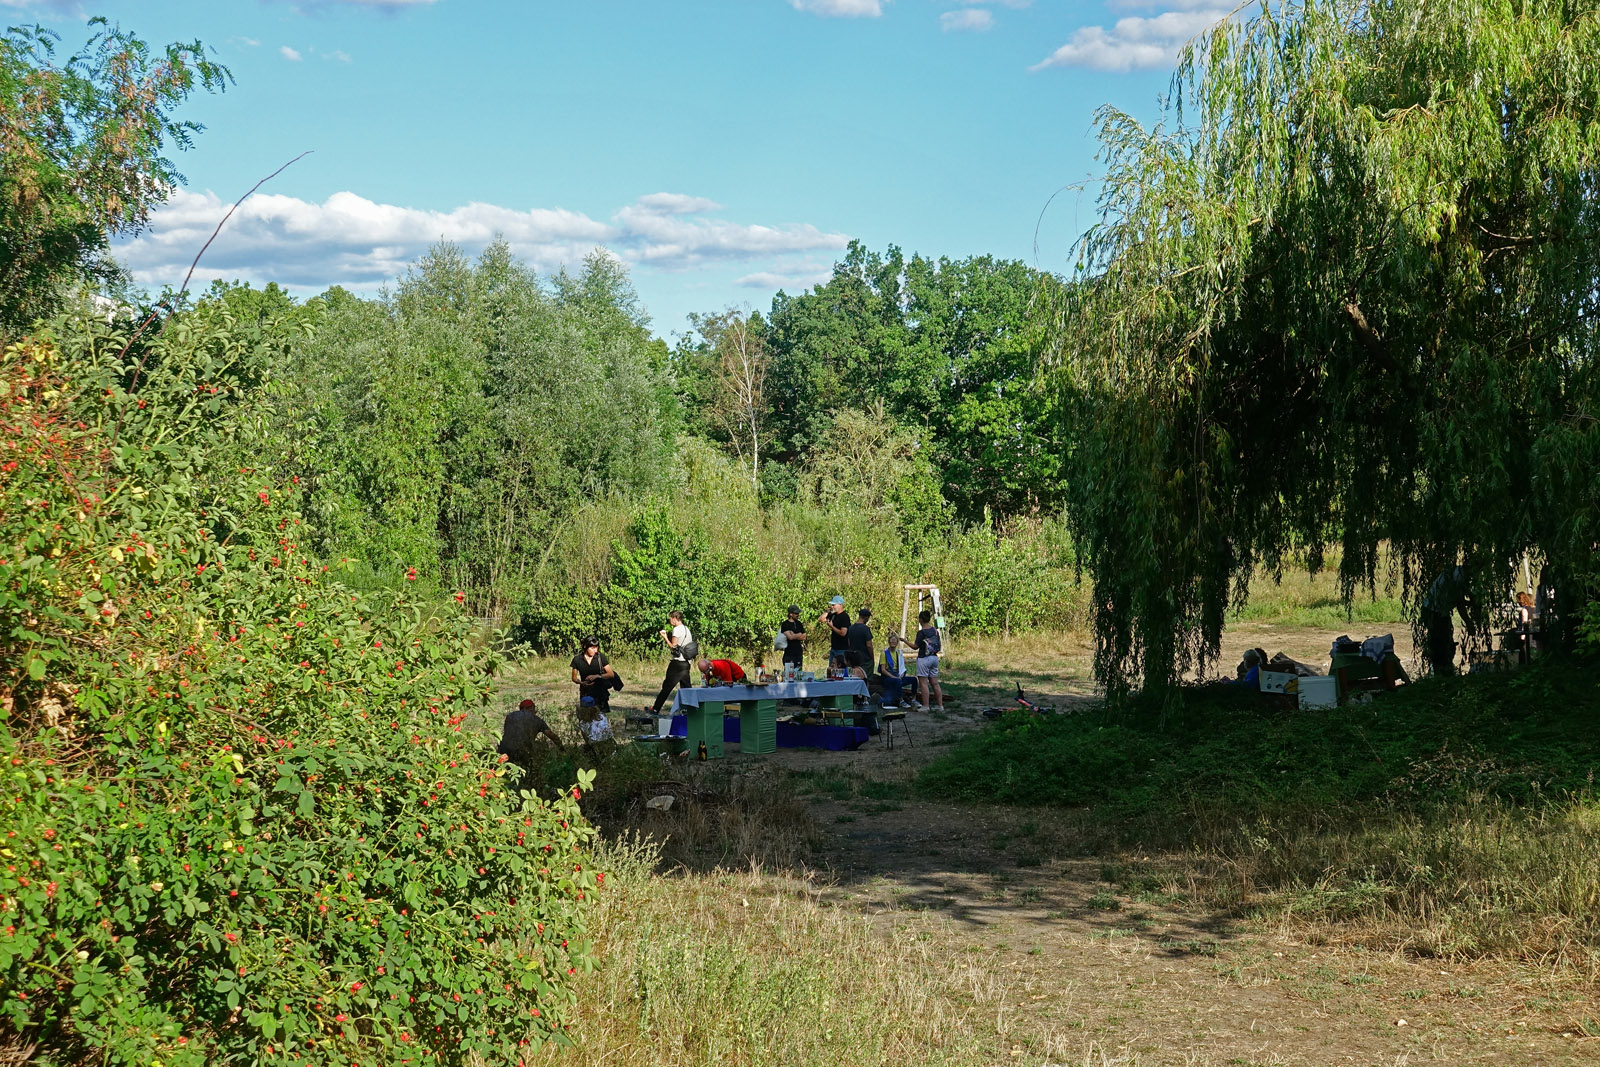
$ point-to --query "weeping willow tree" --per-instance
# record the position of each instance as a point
(1345, 294)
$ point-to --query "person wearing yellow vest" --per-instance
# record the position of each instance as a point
(892, 672)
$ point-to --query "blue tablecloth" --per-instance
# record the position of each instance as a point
(735, 694)
(790, 734)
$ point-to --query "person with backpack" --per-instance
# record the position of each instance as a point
(683, 651)
(928, 645)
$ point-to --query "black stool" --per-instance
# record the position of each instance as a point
(888, 719)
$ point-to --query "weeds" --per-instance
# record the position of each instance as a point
(1454, 818)
(749, 968)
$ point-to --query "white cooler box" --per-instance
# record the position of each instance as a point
(1319, 692)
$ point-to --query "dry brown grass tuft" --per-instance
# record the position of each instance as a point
(750, 968)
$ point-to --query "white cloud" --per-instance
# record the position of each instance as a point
(352, 241)
(675, 204)
(376, 5)
(788, 280)
(248, 42)
(1136, 42)
(340, 54)
(841, 8)
(972, 18)
(289, 53)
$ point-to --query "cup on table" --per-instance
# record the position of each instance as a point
(663, 725)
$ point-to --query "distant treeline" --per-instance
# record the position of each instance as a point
(528, 442)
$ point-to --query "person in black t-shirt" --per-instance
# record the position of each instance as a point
(837, 621)
(795, 630)
(858, 638)
(592, 674)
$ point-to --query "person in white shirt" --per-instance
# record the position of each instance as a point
(678, 640)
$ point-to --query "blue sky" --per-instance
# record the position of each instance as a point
(722, 148)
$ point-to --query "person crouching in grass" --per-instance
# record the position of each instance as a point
(519, 741)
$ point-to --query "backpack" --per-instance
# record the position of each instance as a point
(689, 650)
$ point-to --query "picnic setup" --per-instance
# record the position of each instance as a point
(748, 715)
(864, 691)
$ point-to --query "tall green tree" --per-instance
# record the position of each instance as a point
(722, 367)
(83, 153)
(454, 426)
(950, 346)
(1348, 294)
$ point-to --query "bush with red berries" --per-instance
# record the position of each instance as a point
(241, 819)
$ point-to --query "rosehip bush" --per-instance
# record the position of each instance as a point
(241, 820)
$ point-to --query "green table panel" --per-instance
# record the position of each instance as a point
(758, 727)
(705, 724)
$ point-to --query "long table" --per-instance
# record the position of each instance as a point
(704, 707)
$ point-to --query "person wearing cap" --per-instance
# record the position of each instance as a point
(519, 737)
(837, 620)
(593, 675)
(794, 633)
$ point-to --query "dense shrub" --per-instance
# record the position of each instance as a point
(242, 822)
(732, 566)
(1517, 737)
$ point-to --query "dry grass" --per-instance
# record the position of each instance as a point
(1468, 880)
(749, 968)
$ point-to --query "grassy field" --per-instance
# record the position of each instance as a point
(1453, 818)
(1406, 881)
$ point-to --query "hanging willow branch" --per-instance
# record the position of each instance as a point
(1347, 295)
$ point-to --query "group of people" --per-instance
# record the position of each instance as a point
(850, 652)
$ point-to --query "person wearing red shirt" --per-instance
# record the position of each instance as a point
(724, 670)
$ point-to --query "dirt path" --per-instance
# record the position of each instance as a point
(1104, 966)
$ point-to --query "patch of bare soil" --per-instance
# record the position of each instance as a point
(1104, 970)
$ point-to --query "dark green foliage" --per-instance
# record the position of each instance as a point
(1348, 295)
(948, 348)
(1523, 737)
(243, 823)
(82, 153)
(453, 427)
(731, 603)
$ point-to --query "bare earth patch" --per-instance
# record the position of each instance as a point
(1106, 960)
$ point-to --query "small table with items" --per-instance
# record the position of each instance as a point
(703, 709)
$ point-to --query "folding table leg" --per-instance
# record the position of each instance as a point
(705, 727)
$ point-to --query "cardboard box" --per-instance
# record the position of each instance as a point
(1274, 682)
